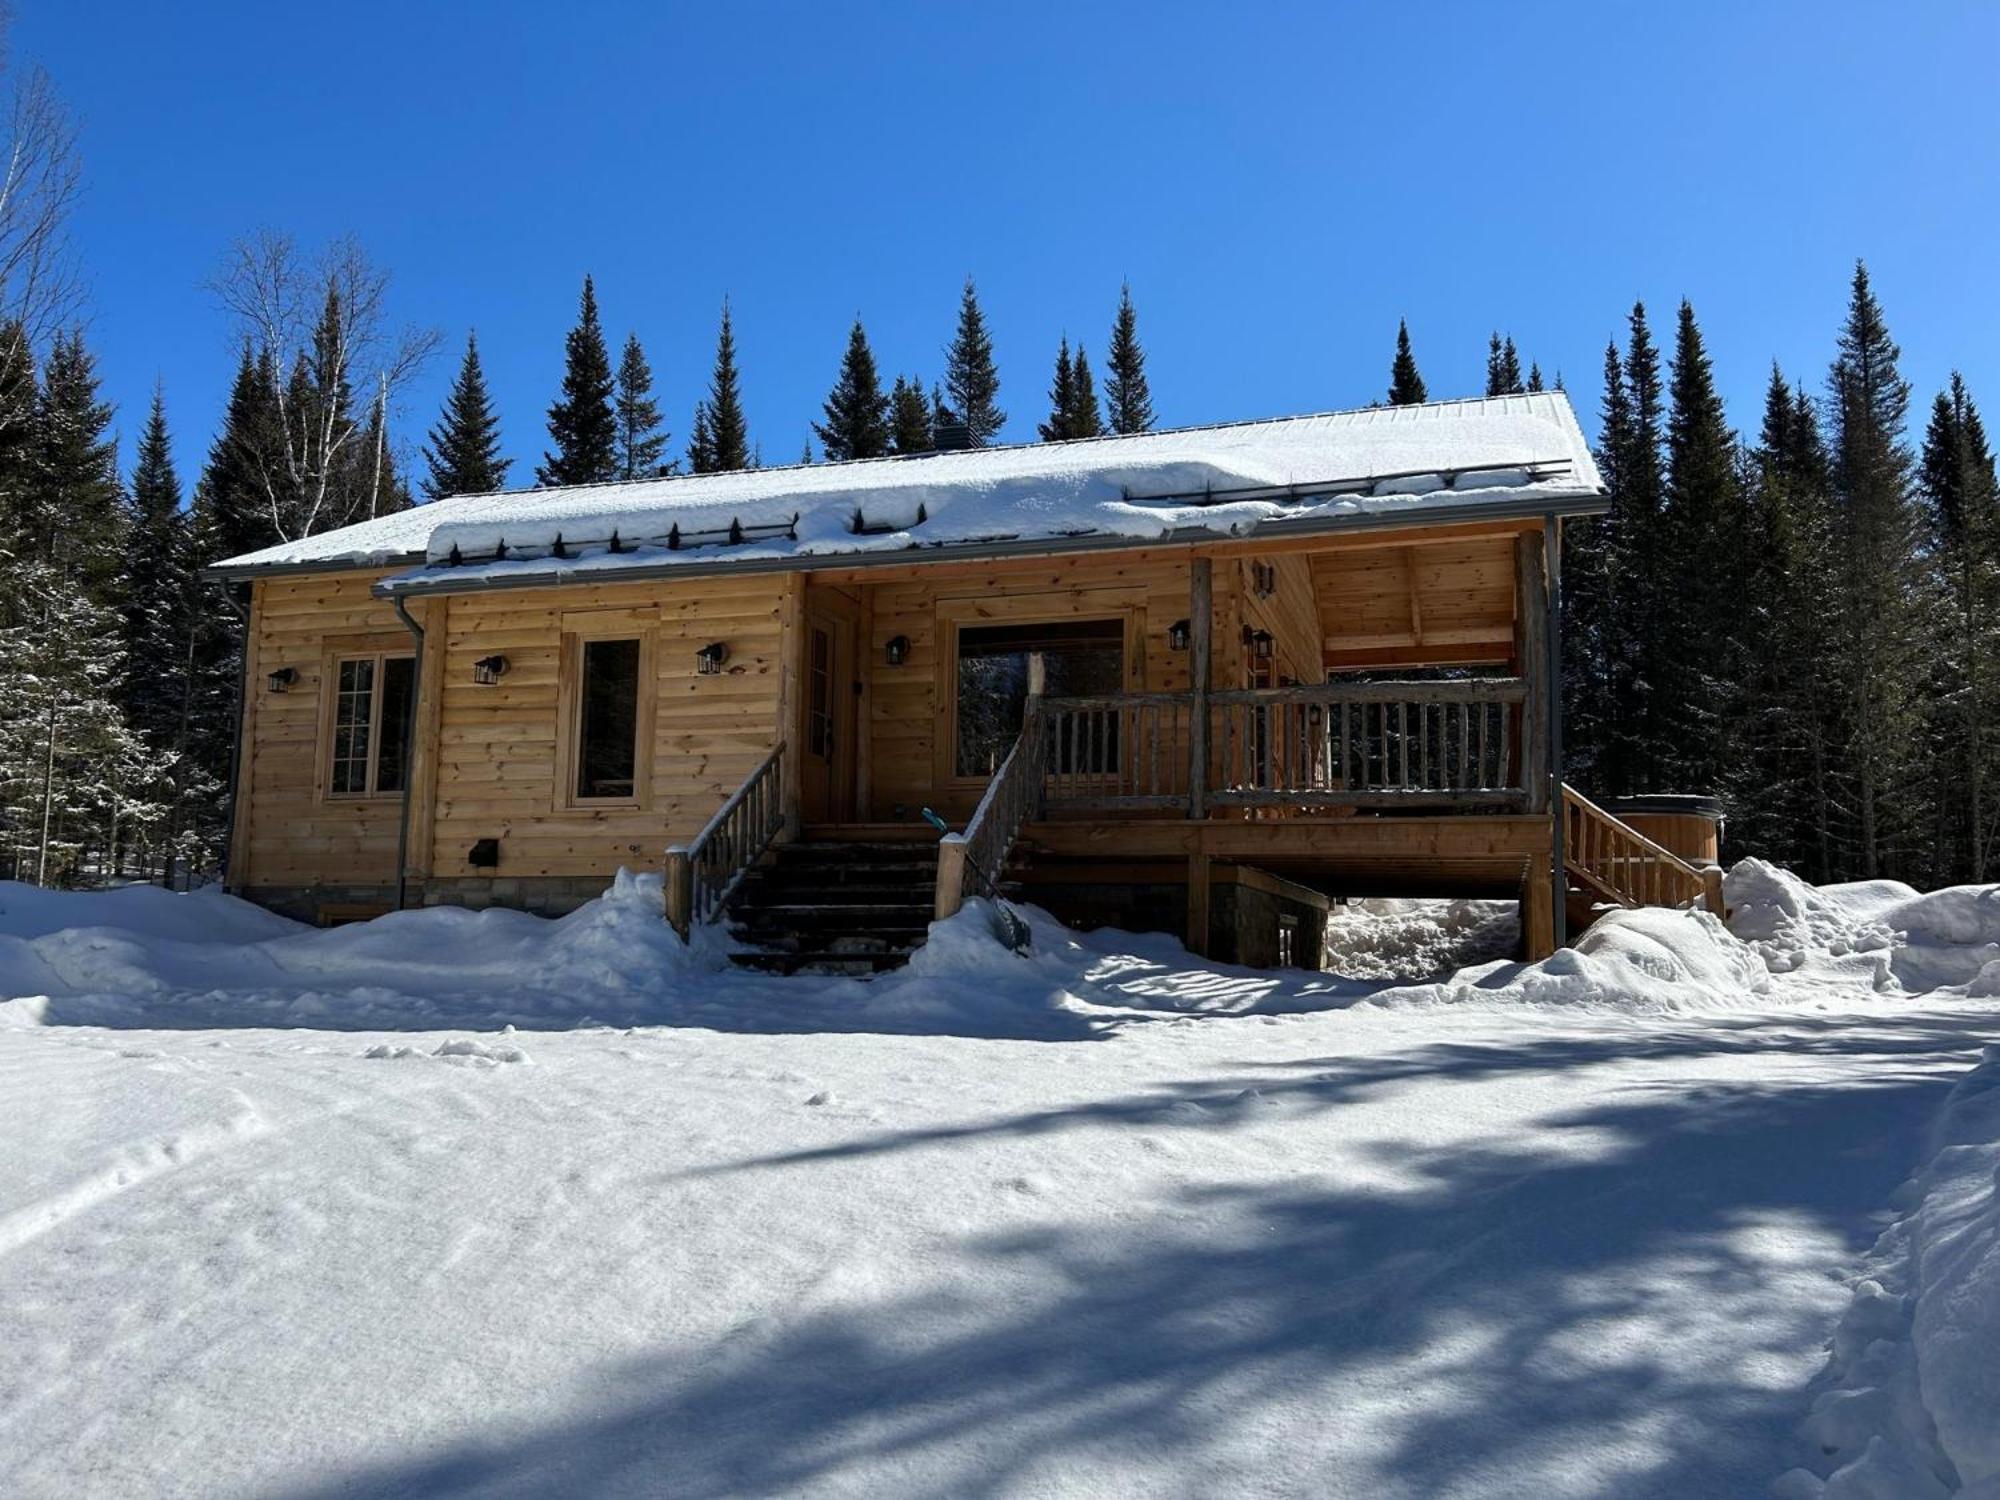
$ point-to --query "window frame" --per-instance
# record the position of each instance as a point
(378, 652)
(1122, 603)
(578, 628)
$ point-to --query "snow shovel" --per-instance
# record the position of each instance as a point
(1014, 930)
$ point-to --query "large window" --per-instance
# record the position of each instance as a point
(1079, 658)
(607, 731)
(370, 753)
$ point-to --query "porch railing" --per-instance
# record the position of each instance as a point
(1616, 861)
(702, 876)
(1349, 745)
(975, 858)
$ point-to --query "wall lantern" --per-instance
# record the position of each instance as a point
(709, 659)
(1179, 634)
(489, 670)
(1263, 579)
(1259, 642)
(898, 650)
(282, 679)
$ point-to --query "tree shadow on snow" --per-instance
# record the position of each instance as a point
(1520, 1318)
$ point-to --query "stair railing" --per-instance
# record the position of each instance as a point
(703, 875)
(1622, 862)
(979, 854)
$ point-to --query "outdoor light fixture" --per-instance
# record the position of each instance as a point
(282, 679)
(1259, 642)
(1178, 635)
(1263, 579)
(898, 650)
(489, 670)
(709, 659)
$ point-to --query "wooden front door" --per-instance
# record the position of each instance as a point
(826, 737)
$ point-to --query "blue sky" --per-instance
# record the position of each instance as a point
(1279, 183)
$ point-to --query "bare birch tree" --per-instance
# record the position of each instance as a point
(320, 321)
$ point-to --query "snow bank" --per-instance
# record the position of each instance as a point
(1405, 939)
(1912, 1407)
(1883, 931)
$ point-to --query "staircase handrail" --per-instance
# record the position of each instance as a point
(979, 854)
(1591, 830)
(704, 874)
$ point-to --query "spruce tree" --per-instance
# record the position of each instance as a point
(1878, 533)
(1638, 729)
(641, 440)
(1128, 399)
(910, 417)
(1406, 386)
(1503, 367)
(1534, 377)
(1698, 576)
(1086, 418)
(157, 580)
(857, 413)
(1962, 509)
(78, 503)
(583, 428)
(1062, 398)
(721, 437)
(463, 456)
(970, 377)
(1593, 656)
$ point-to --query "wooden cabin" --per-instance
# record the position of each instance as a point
(1204, 681)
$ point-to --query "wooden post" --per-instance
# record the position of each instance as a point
(424, 780)
(1531, 605)
(1711, 891)
(1538, 916)
(791, 697)
(237, 876)
(1197, 904)
(1552, 707)
(950, 893)
(680, 891)
(1201, 623)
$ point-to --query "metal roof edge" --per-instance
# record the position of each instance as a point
(1579, 503)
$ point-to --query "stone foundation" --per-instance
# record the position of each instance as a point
(330, 905)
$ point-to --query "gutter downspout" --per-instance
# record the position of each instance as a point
(241, 609)
(1559, 876)
(409, 760)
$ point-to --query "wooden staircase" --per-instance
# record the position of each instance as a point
(834, 906)
(1608, 864)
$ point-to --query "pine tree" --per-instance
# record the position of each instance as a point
(1698, 576)
(1503, 367)
(910, 418)
(1877, 530)
(1638, 725)
(1594, 659)
(721, 438)
(969, 374)
(80, 520)
(1062, 398)
(857, 413)
(463, 456)
(1086, 418)
(157, 582)
(583, 428)
(19, 396)
(1535, 377)
(1962, 504)
(1128, 399)
(1406, 386)
(641, 440)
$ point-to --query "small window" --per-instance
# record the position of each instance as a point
(372, 699)
(607, 737)
(1080, 658)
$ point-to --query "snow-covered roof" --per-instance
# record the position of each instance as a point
(1382, 465)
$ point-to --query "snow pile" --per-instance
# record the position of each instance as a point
(1649, 961)
(1913, 1404)
(1403, 939)
(1889, 933)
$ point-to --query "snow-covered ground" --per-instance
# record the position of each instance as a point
(457, 1204)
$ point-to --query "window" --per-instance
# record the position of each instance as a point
(372, 698)
(819, 695)
(1079, 657)
(607, 729)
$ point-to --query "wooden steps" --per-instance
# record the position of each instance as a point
(835, 906)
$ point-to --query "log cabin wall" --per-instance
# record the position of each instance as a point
(291, 836)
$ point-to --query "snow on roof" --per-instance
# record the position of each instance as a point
(1382, 464)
